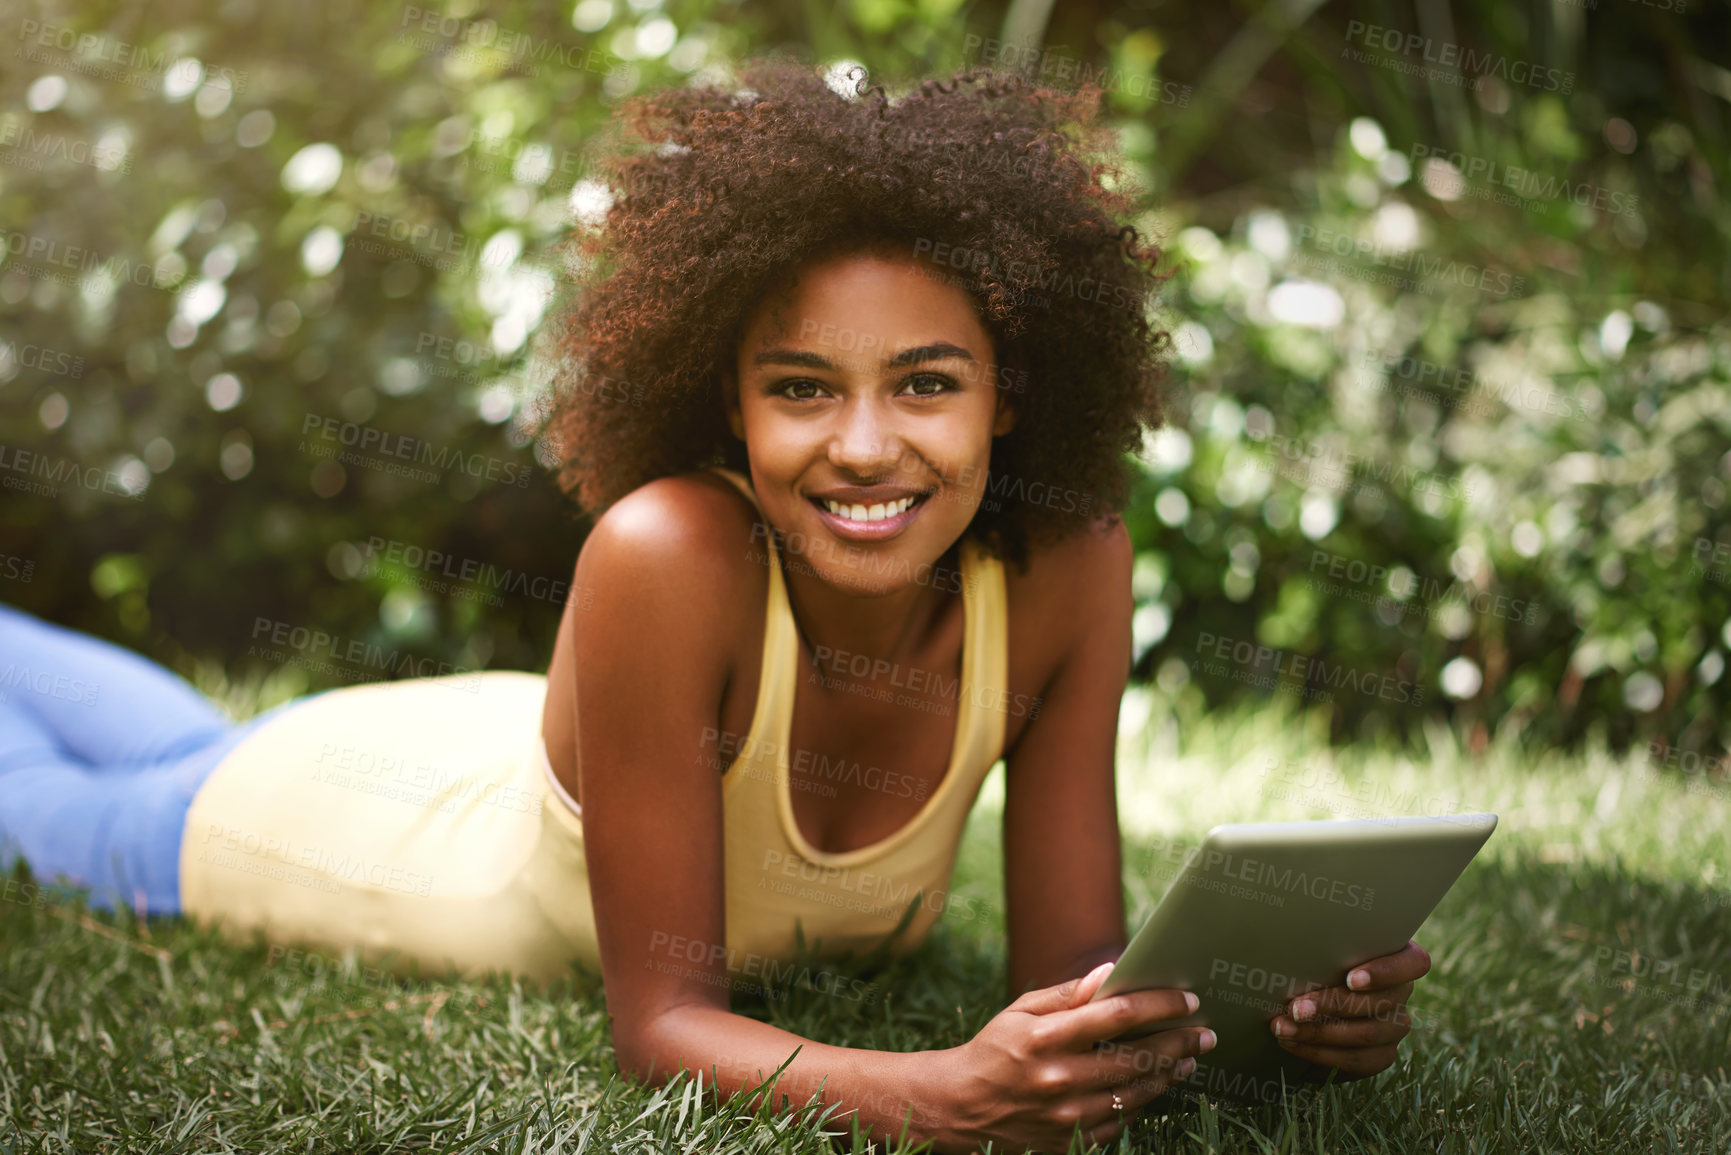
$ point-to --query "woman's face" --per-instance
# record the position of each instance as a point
(870, 385)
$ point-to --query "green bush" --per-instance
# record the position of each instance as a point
(238, 235)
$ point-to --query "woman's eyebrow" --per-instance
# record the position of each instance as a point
(796, 357)
(938, 351)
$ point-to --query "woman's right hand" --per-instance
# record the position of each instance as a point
(1033, 1073)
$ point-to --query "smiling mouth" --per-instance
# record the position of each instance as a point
(868, 514)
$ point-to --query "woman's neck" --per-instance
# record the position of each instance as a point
(892, 627)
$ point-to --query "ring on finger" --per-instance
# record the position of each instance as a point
(1117, 1103)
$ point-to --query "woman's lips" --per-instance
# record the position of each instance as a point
(846, 527)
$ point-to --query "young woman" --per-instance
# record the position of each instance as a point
(852, 383)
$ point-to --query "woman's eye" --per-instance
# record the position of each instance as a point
(929, 384)
(919, 385)
(787, 389)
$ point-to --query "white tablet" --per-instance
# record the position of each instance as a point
(1260, 913)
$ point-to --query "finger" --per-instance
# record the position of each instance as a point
(1355, 1062)
(1133, 1011)
(1135, 1091)
(1340, 1032)
(1091, 982)
(1403, 966)
(1339, 1003)
(1121, 1101)
(1073, 992)
(1159, 1058)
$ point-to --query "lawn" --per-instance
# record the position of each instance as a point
(1580, 1001)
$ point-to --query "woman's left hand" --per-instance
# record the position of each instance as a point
(1356, 1028)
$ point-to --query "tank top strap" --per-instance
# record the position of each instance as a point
(740, 483)
(982, 584)
(755, 769)
(986, 595)
(779, 623)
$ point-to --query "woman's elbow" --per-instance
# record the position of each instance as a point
(649, 1050)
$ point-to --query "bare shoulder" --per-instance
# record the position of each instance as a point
(691, 529)
(1074, 599)
(674, 568)
(695, 510)
(671, 599)
(1080, 577)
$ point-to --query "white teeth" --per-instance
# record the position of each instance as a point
(877, 512)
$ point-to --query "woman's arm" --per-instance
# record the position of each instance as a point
(667, 572)
(651, 666)
(1061, 845)
(894, 1093)
(1063, 867)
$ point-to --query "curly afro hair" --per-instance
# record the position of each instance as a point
(724, 193)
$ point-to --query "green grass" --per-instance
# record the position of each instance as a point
(1532, 1036)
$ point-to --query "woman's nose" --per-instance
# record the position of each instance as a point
(865, 442)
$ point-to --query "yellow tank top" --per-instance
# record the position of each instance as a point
(419, 822)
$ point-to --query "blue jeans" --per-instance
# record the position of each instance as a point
(101, 751)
